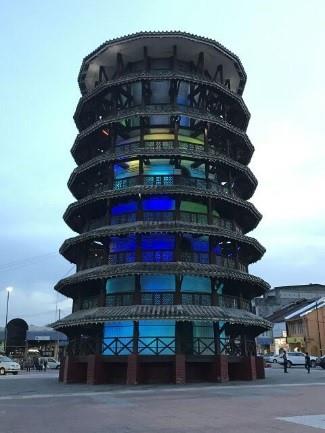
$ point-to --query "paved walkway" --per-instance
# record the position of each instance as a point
(36, 402)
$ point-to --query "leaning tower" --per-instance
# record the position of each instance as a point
(162, 291)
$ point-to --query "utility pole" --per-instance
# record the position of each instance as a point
(319, 337)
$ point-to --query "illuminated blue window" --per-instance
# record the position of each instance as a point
(184, 121)
(197, 244)
(157, 337)
(158, 167)
(183, 92)
(157, 283)
(158, 204)
(193, 171)
(196, 284)
(158, 242)
(120, 284)
(126, 169)
(118, 338)
(123, 208)
(203, 337)
(119, 244)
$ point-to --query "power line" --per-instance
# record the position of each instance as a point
(25, 262)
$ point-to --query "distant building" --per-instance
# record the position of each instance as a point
(298, 326)
(276, 339)
(306, 328)
(43, 340)
(281, 296)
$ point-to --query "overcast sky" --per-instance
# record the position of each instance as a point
(281, 45)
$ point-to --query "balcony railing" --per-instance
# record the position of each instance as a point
(164, 180)
(143, 345)
(123, 149)
(167, 216)
(170, 298)
(160, 180)
(164, 256)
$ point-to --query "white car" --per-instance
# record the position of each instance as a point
(51, 363)
(7, 365)
(272, 358)
(298, 358)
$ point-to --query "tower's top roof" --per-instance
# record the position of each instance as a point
(159, 45)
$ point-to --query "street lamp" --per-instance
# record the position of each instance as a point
(8, 290)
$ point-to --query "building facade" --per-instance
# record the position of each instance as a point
(273, 300)
(306, 328)
(162, 291)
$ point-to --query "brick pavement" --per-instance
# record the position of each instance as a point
(37, 403)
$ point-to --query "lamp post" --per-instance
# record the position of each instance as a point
(8, 290)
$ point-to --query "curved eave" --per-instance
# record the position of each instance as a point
(196, 192)
(170, 110)
(162, 34)
(68, 285)
(159, 75)
(244, 171)
(101, 315)
(69, 249)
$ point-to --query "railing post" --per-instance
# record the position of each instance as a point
(135, 344)
(178, 294)
(137, 291)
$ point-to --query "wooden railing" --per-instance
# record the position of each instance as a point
(166, 216)
(164, 256)
(170, 298)
(199, 346)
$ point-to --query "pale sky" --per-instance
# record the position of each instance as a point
(281, 45)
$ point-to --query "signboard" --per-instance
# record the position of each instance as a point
(295, 340)
(42, 338)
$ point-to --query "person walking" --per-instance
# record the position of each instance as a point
(45, 364)
(307, 362)
(29, 364)
(285, 362)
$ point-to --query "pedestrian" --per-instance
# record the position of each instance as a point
(29, 364)
(45, 364)
(307, 362)
(37, 364)
(285, 362)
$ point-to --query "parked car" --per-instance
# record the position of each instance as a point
(298, 358)
(271, 358)
(51, 362)
(321, 361)
(7, 365)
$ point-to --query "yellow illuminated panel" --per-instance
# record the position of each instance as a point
(160, 137)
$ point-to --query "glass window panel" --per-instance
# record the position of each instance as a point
(157, 337)
(136, 92)
(203, 329)
(123, 208)
(118, 338)
(160, 92)
(196, 284)
(184, 121)
(159, 137)
(126, 169)
(119, 244)
(198, 244)
(162, 203)
(120, 285)
(157, 242)
(203, 337)
(191, 206)
(189, 168)
(158, 167)
(157, 283)
(183, 92)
